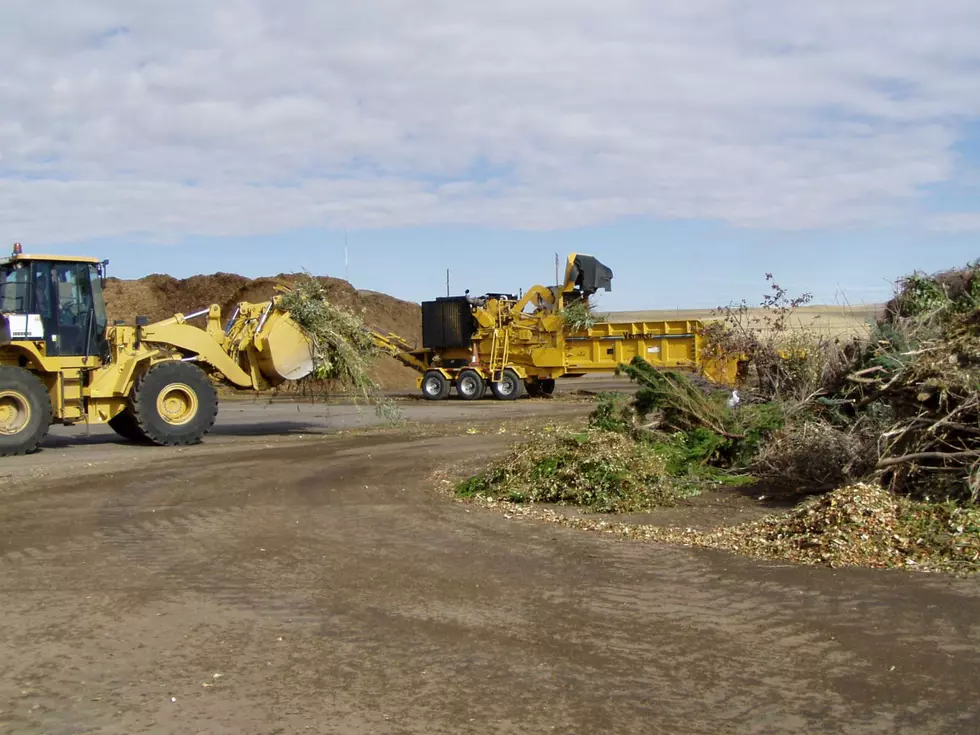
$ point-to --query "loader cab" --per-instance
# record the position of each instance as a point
(55, 300)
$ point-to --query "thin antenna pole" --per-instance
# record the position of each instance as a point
(557, 270)
(448, 294)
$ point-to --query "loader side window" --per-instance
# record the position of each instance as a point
(14, 289)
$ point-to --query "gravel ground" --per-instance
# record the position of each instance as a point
(283, 578)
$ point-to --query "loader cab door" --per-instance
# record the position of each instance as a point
(68, 297)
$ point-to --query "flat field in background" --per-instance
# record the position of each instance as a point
(828, 321)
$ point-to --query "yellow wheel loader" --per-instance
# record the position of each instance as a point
(62, 362)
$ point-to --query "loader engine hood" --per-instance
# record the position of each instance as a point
(589, 275)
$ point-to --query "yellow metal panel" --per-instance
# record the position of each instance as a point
(196, 341)
(603, 348)
(103, 409)
(48, 258)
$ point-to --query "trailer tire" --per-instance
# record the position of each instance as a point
(509, 387)
(126, 426)
(25, 411)
(435, 387)
(548, 386)
(471, 386)
(175, 404)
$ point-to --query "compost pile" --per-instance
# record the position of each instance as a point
(160, 297)
(858, 525)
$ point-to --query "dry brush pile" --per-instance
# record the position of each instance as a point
(885, 430)
(902, 405)
(922, 374)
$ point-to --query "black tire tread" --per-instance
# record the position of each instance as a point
(144, 403)
(126, 426)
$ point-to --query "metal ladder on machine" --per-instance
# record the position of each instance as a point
(499, 351)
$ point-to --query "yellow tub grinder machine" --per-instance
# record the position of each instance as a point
(508, 344)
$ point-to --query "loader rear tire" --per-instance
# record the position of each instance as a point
(175, 404)
(509, 387)
(470, 385)
(25, 411)
(127, 427)
(435, 387)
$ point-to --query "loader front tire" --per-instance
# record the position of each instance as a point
(174, 404)
(25, 411)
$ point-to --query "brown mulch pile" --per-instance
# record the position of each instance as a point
(160, 297)
(857, 526)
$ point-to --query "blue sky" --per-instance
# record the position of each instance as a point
(656, 266)
(691, 146)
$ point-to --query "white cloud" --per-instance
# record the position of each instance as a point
(957, 222)
(258, 116)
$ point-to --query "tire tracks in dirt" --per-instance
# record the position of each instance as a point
(331, 574)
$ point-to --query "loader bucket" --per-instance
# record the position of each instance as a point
(285, 351)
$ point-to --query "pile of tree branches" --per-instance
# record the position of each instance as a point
(579, 316)
(923, 369)
(341, 346)
(901, 407)
(671, 402)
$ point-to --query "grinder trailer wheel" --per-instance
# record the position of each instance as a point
(25, 411)
(470, 385)
(435, 387)
(509, 387)
(175, 403)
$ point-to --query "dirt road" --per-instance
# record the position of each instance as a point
(317, 583)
